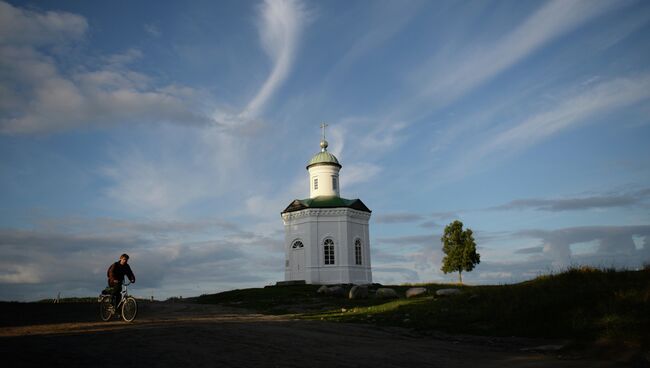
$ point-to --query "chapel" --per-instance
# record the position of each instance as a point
(326, 236)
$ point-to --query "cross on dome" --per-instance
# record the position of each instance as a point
(323, 142)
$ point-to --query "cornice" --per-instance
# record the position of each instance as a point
(325, 212)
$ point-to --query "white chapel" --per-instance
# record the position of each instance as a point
(326, 236)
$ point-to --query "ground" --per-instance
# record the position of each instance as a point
(197, 335)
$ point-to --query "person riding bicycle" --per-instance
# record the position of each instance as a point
(116, 273)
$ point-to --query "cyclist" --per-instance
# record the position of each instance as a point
(116, 273)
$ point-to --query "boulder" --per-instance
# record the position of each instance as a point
(323, 290)
(386, 293)
(447, 292)
(415, 292)
(358, 292)
(336, 291)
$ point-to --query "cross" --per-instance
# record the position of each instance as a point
(323, 125)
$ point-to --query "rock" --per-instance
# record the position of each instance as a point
(386, 293)
(415, 292)
(323, 290)
(336, 291)
(473, 297)
(358, 292)
(447, 292)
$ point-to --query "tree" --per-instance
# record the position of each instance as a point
(460, 250)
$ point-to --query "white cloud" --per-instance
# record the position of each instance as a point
(575, 110)
(280, 24)
(483, 62)
(615, 245)
(36, 263)
(124, 58)
(384, 136)
(21, 26)
(152, 30)
(20, 274)
(175, 166)
(40, 96)
(359, 172)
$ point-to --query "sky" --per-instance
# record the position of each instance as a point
(178, 131)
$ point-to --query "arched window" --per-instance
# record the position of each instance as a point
(357, 251)
(334, 183)
(328, 249)
(297, 245)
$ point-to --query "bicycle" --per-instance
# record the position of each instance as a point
(127, 306)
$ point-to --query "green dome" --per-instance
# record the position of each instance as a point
(323, 158)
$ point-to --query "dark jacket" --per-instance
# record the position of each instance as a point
(117, 272)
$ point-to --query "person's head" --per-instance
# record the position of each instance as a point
(124, 258)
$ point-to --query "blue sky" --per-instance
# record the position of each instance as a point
(178, 132)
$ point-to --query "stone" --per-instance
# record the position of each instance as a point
(386, 293)
(447, 292)
(289, 283)
(336, 291)
(323, 290)
(358, 292)
(415, 292)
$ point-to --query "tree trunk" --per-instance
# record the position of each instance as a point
(460, 277)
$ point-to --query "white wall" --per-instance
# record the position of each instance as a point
(324, 173)
(312, 227)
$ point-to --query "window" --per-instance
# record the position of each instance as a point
(297, 245)
(357, 251)
(334, 183)
(315, 183)
(328, 248)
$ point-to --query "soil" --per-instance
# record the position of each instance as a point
(195, 335)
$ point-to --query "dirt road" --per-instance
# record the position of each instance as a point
(192, 335)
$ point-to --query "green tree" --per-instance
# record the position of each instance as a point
(460, 250)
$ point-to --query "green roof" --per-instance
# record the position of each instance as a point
(323, 158)
(326, 202)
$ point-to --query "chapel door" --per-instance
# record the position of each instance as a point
(298, 264)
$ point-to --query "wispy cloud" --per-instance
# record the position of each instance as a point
(280, 24)
(427, 239)
(479, 64)
(173, 167)
(152, 30)
(579, 203)
(381, 22)
(580, 108)
(529, 250)
(397, 218)
(584, 105)
(359, 172)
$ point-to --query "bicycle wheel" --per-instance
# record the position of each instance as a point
(129, 309)
(106, 309)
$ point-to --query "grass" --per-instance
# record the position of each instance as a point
(584, 304)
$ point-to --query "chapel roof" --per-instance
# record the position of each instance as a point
(323, 158)
(326, 202)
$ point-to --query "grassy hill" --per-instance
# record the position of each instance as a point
(582, 303)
